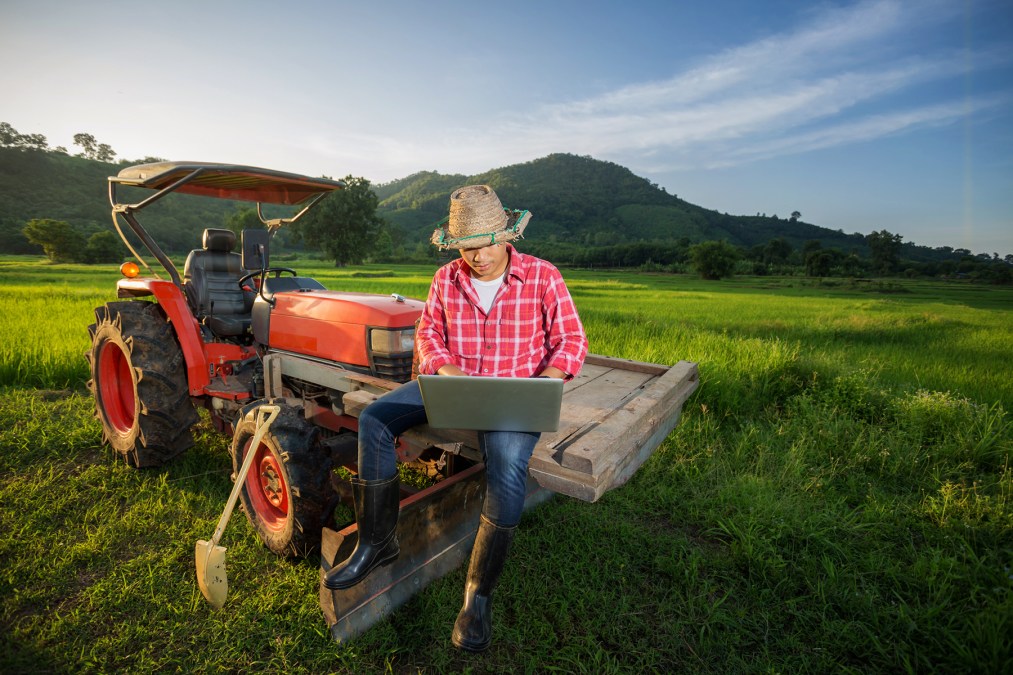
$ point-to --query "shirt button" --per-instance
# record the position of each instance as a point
(486, 370)
(488, 346)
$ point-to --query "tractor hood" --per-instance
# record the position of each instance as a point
(335, 326)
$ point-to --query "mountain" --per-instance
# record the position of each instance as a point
(38, 184)
(585, 201)
(577, 202)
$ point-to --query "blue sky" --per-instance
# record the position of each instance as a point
(894, 114)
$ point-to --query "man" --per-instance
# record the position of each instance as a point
(494, 312)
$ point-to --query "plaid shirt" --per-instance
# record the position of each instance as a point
(532, 324)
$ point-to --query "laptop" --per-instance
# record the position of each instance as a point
(492, 403)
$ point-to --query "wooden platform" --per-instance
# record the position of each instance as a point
(614, 415)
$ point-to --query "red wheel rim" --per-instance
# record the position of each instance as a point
(116, 387)
(265, 486)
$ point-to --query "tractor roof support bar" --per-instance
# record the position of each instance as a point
(127, 211)
(274, 223)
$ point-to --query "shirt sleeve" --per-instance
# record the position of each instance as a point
(564, 331)
(431, 335)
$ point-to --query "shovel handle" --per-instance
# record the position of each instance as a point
(258, 434)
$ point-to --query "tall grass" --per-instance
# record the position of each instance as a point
(837, 498)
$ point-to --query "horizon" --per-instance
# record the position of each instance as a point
(863, 116)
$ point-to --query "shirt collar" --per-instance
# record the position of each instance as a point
(517, 267)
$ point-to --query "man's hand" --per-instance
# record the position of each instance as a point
(553, 372)
(450, 369)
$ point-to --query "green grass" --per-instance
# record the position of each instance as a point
(837, 498)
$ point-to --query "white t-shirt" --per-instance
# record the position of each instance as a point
(487, 290)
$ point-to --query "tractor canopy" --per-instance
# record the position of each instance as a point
(207, 179)
(227, 181)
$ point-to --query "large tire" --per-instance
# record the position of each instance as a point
(287, 493)
(138, 378)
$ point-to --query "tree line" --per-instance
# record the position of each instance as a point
(90, 148)
(387, 224)
(717, 259)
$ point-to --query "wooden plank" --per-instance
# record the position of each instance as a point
(354, 402)
(617, 429)
(626, 447)
(590, 488)
(625, 364)
(583, 405)
(369, 380)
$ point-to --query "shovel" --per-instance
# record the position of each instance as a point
(209, 555)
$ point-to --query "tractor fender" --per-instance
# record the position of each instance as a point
(174, 304)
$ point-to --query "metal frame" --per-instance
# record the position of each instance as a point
(195, 172)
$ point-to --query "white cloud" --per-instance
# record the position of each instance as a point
(835, 80)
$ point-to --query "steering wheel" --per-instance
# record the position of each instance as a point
(277, 272)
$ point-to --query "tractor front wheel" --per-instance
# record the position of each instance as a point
(138, 378)
(286, 494)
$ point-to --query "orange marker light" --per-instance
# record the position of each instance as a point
(129, 270)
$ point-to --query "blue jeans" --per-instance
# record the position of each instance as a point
(506, 453)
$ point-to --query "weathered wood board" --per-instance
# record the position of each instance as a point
(614, 415)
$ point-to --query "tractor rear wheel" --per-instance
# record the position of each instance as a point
(287, 493)
(138, 378)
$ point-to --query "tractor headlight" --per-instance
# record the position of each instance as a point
(387, 341)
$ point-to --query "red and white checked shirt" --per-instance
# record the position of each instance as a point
(532, 324)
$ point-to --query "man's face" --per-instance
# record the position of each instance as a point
(488, 262)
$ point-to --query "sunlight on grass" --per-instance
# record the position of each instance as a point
(837, 498)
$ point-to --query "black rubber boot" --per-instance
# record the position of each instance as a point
(376, 509)
(473, 628)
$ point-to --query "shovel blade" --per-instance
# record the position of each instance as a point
(211, 578)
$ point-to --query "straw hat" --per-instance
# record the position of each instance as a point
(477, 219)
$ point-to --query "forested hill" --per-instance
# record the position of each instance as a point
(590, 202)
(53, 185)
(576, 201)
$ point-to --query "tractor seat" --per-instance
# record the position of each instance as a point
(210, 282)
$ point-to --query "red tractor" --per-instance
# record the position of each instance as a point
(235, 334)
(177, 343)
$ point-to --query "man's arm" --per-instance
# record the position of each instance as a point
(567, 340)
(431, 336)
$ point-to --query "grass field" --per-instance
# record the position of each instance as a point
(837, 498)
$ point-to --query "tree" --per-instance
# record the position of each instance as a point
(9, 136)
(795, 215)
(104, 153)
(383, 250)
(884, 249)
(818, 263)
(345, 224)
(59, 241)
(103, 247)
(243, 218)
(811, 246)
(777, 251)
(34, 142)
(92, 149)
(87, 143)
(713, 259)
